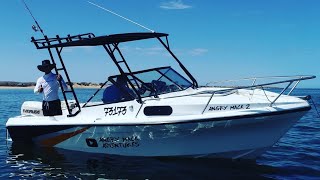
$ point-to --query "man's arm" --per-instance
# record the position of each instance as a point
(38, 88)
(63, 83)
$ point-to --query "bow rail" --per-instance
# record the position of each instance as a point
(289, 80)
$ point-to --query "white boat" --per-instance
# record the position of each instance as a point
(164, 113)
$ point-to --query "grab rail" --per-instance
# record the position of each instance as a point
(254, 79)
(296, 79)
(283, 90)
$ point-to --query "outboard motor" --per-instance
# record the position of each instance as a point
(32, 108)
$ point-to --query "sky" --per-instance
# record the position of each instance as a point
(216, 40)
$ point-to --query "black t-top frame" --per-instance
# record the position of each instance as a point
(111, 45)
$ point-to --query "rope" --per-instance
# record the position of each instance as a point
(46, 105)
(265, 94)
(315, 106)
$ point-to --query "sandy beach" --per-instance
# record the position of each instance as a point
(16, 87)
(32, 87)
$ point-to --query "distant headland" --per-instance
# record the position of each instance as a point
(26, 85)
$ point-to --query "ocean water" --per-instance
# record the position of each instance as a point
(295, 156)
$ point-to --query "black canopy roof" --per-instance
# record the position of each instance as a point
(90, 40)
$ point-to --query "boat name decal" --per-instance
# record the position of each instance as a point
(91, 142)
(229, 107)
(112, 111)
(120, 142)
(114, 142)
(31, 111)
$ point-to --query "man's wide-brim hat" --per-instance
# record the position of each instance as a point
(46, 66)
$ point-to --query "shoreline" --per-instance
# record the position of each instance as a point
(32, 87)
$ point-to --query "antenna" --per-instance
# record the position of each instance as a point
(121, 16)
(33, 26)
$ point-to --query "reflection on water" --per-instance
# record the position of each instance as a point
(37, 162)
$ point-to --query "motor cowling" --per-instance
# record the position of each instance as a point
(32, 108)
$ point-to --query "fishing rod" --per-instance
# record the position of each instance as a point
(33, 26)
(127, 19)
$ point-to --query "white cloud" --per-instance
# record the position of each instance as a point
(81, 48)
(175, 4)
(198, 51)
(157, 50)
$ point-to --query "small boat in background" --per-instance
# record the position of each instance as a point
(161, 112)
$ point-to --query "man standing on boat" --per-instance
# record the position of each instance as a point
(48, 84)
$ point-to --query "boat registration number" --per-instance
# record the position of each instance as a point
(112, 111)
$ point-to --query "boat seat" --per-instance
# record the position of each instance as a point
(159, 86)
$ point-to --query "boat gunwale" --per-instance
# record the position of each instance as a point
(211, 119)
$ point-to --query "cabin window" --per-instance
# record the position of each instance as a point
(157, 110)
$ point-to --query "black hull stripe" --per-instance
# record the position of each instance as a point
(26, 133)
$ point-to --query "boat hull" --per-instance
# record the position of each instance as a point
(242, 137)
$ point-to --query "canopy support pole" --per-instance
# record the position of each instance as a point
(194, 81)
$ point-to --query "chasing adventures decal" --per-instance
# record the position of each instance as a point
(114, 142)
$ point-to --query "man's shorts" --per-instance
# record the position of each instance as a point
(51, 108)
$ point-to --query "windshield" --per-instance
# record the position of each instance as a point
(157, 81)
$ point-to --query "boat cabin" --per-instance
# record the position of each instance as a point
(128, 85)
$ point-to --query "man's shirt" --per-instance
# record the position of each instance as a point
(50, 86)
